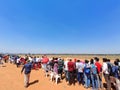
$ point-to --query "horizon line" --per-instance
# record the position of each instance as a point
(65, 53)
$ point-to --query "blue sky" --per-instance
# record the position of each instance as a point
(60, 26)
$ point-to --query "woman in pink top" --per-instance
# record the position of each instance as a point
(55, 69)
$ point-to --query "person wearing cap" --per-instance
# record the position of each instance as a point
(27, 70)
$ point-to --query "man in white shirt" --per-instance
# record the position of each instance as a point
(18, 62)
(30, 59)
(106, 74)
(38, 60)
(66, 69)
(1, 61)
(80, 67)
(118, 61)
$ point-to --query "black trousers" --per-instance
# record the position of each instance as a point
(71, 77)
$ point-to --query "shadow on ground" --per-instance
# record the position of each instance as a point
(34, 82)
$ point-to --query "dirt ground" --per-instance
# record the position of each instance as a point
(12, 79)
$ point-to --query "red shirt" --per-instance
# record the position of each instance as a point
(99, 66)
(75, 60)
(71, 66)
(45, 60)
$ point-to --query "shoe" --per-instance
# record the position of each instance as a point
(69, 84)
(26, 86)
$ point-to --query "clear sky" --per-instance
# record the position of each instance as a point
(60, 26)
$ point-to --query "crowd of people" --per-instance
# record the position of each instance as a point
(88, 73)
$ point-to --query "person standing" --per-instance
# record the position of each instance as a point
(80, 75)
(27, 70)
(66, 69)
(87, 75)
(44, 61)
(18, 62)
(71, 68)
(94, 75)
(60, 67)
(115, 75)
(99, 70)
(1, 61)
(106, 74)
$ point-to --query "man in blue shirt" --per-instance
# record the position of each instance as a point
(27, 70)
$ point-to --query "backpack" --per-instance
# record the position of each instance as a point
(87, 70)
(119, 70)
(109, 68)
(93, 69)
(113, 70)
(60, 64)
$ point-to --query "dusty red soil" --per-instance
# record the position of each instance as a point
(12, 79)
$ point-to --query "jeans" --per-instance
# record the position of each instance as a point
(66, 75)
(80, 77)
(71, 77)
(44, 67)
(99, 78)
(94, 81)
(87, 80)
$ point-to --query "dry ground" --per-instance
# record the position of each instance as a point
(12, 79)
